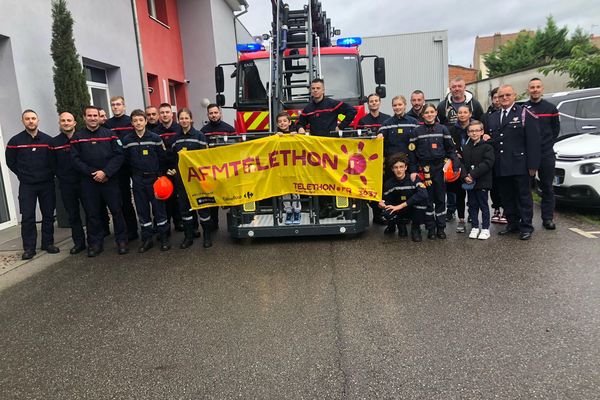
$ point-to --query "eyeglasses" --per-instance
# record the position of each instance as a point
(505, 95)
(474, 130)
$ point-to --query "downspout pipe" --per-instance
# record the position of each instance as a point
(139, 54)
(237, 16)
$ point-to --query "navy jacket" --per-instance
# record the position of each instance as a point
(516, 141)
(431, 143)
(368, 121)
(92, 151)
(478, 161)
(548, 117)
(30, 158)
(396, 132)
(64, 168)
(397, 191)
(217, 127)
(167, 133)
(145, 155)
(323, 116)
(192, 140)
(121, 125)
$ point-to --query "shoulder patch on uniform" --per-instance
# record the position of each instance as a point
(412, 147)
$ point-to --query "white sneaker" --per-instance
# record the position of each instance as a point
(474, 233)
(484, 234)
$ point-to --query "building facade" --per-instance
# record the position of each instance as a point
(149, 51)
(405, 69)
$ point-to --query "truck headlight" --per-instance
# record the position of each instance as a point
(590, 169)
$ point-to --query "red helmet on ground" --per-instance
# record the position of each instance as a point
(163, 188)
(449, 174)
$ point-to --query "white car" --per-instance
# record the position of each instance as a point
(577, 173)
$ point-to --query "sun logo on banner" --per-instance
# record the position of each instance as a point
(357, 163)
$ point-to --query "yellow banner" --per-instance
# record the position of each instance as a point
(277, 165)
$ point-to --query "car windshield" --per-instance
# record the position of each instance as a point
(340, 72)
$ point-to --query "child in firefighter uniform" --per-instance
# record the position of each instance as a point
(189, 139)
(429, 146)
(145, 154)
(403, 200)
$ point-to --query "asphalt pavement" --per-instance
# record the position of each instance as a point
(369, 317)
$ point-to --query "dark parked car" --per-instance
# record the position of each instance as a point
(579, 111)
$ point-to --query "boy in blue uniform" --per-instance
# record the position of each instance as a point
(403, 200)
(145, 154)
(189, 139)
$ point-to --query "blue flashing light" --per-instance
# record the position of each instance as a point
(349, 42)
(249, 47)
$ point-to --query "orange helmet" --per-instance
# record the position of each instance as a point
(163, 188)
(449, 174)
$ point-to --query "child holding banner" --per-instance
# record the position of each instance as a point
(292, 208)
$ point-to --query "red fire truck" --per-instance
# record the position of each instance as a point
(269, 81)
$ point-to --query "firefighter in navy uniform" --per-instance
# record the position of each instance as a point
(28, 155)
(429, 146)
(321, 114)
(145, 154)
(120, 124)
(166, 129)
(515, 134)
(69, 179)
(396, 130)
(189, 139)
(320, 117)
(549, 122)
(372, 122)
(215, 126)
(98, 155)
(153, 119)
(404, 200)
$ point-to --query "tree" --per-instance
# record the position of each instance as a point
(511, 56)
(545, 46)
(70, 89)
(583, 67)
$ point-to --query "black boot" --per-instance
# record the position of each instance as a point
(391, 228)
(146, 245)
(431, 234)
(164, 242)
(188, 238)
(207, 239)
(440, 233)
(402, 231)
(415, 233)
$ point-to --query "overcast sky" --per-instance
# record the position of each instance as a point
(463, 19)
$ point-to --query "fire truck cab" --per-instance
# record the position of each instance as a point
(278, 78)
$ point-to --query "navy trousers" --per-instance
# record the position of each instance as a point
(92, 194)
(71, 197)
(29, 196)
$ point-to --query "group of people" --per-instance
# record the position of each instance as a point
(499, 151)
(99, 166)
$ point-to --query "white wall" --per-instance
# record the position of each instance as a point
(103, 32)
(519, 80)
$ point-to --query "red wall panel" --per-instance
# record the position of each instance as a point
(161, 48)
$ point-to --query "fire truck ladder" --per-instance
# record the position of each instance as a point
(297, 33)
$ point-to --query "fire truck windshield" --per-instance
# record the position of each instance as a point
(340, 72)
